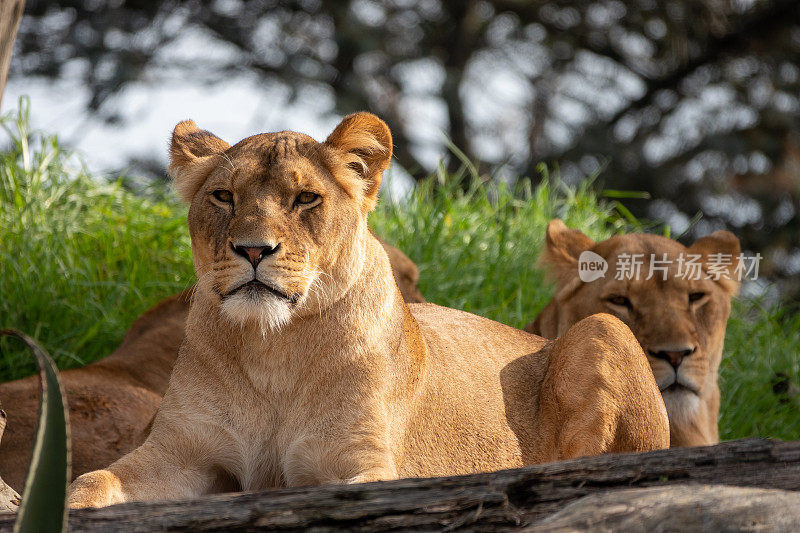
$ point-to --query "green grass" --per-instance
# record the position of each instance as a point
(80, 259)
(759, 345)
(477, 249)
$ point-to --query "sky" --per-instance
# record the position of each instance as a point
(146, 111)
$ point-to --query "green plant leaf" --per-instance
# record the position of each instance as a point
(614, 193)
(44, 498)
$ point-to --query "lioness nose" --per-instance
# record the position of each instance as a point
(255, 254)
(673, 354)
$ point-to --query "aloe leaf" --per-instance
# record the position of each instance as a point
(44, 498)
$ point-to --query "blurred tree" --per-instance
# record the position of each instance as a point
(10, 15)
(695, 101)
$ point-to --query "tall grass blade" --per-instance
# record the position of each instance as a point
(692, 222)
(614, 193)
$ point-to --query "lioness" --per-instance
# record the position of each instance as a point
(302, 364)
(112, 401)
(679, 320)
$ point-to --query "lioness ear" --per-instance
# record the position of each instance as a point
(365, 142)
(192, 156)
(720, 256)
(563, 247)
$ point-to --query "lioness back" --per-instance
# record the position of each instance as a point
(477, 363)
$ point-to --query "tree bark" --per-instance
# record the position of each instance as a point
(10, 15)
(461, 36)
(688, 507)
(546, 496)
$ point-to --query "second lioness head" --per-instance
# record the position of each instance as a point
(675, 299)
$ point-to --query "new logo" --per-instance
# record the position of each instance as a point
(591, 266)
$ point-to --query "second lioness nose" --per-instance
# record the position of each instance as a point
(673, 354)
(255, 254)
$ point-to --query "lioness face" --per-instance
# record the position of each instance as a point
(276, 219)
(677, 315)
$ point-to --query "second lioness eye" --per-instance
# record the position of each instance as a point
(306, 197)
(695, 296)
(223, 196)
(620, 300)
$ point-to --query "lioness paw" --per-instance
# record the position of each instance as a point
(95, 489)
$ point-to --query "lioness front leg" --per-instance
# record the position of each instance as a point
(353, 458)
(599, 394)
(153, 471)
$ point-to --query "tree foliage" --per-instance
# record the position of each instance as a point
(694, 101)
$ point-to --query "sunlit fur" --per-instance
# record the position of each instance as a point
(327, 376)
(661, 316)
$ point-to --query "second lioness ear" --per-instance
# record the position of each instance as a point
(192, 155)
(720, 255)
(564, 245)
(365, 142)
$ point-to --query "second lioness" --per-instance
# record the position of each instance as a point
(302, 364)
(675, 299)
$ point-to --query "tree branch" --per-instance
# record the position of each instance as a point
(10, 15)
(766, 20)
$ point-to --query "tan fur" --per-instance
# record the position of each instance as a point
(349, 384)
(113, 401)
(661, 315)
(405, 272)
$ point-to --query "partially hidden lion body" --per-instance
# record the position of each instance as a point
(302, 364)
(112, 402)
(678, 315)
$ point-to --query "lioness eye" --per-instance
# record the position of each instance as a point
(306, 197)
(621, 301)
(695, 296)
(223, 196)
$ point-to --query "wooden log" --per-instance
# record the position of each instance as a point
(503, 500)
(10, 15)
(679, 508)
